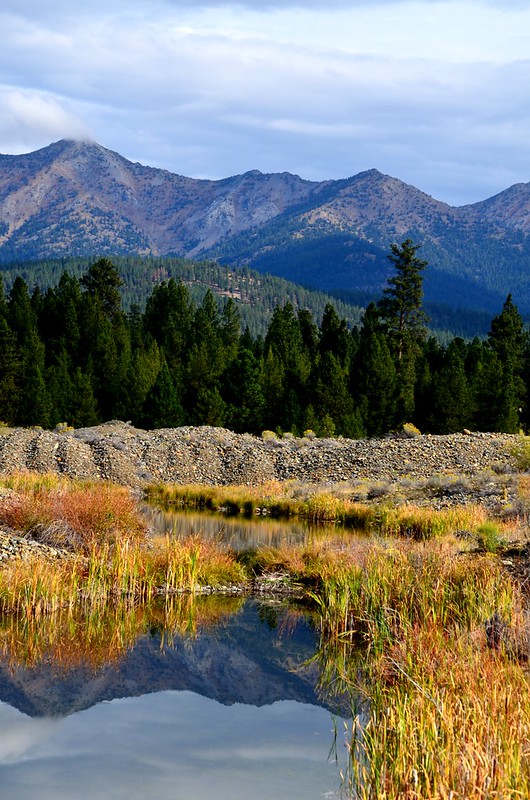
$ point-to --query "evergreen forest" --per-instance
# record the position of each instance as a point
(73, 354)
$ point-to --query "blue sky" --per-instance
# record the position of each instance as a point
(434, 93)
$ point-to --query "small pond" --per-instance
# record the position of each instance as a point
(213, 699)
(241, 533)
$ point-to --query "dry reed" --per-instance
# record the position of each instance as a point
(449, 716)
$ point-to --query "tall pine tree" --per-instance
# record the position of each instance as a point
(401, 310)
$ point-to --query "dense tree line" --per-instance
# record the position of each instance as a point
(73, 354)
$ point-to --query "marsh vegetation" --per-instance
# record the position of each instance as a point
(418, 620)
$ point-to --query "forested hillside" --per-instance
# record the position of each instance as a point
(255, 295)
(72, 354)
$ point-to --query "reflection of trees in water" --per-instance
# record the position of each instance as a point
(72, 638)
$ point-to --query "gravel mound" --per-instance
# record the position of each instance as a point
(119, 452)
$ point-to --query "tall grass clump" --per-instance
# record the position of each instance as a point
(186, 565)
(113, 574)
(448, 713)
(423, 523)
(489, 538)
(33, 587)
(72, 514)
(520, 452)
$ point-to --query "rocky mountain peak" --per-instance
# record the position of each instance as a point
(79, 198)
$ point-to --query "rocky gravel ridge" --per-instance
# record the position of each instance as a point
(438, 470)
(127, 455)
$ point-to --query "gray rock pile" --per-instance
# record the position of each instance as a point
(24, 547)
(119, 452)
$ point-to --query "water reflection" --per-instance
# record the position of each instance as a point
(174, 745)
(241, 533)
(227, 649)
(204, 698)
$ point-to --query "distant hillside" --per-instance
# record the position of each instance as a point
(79, 199)
(255, 295)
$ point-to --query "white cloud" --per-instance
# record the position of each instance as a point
(422, 90)
(24, 734)
(174, 744)
(28, 119)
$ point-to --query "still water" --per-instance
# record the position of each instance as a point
(240, 533)
(222, 706)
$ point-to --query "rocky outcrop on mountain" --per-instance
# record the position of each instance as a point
(78, 198)
(509, 209)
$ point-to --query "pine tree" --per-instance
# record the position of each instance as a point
(210, 408)
(244, 394)
(168, 317)
(401, 310)
(453, 402)
(103, 282)
(230, 330)
(374, 376)
(162, 407)
(273, 387)
(60, 387)
(9, 373)
(309, 333)
(331, 398)
(501, 392)
(141, 376)
(287, 366)
(106, 348)
(20, 314)
(334, 336)
(35, 405)
(84, 405)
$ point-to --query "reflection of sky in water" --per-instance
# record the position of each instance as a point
(170, 745)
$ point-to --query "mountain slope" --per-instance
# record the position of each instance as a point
(80, 199)
(72, 198)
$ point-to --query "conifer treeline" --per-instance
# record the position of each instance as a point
(73, 355)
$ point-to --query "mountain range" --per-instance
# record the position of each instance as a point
(79, 199)
(246, 660)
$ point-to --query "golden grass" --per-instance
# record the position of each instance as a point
(448, 715)
(234, 499)
(192, 562)
(280, 500)
(110, 574)
(73, 514)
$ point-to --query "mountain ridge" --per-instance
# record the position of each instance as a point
(75, 198)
